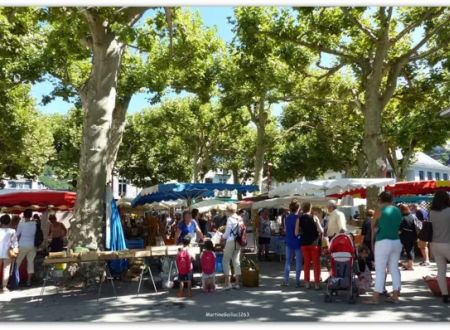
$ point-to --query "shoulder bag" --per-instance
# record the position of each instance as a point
(426, 233)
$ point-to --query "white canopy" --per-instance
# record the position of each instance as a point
(328, 186)
(283, 202)
(126, 202)
(210, 204)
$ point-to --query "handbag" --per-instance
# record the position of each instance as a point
(14, 278)
(426, 233)
(13, 253)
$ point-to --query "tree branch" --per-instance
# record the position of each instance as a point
(312, 46)
(391, 84)
(390, 11)
(95, 25)
(414, 25)
(252, 114)
(424, 54)
(169, 20)
(358, 24)
(392, 158)
(332, 70)
(429, 35)
(327, 50)
(294, 127)
(134, 14)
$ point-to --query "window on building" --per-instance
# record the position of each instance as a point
(445, 176)
(438, 176)
(122, 187)
(20, 185)
(421, 175)
(208, 180)
(430, 175)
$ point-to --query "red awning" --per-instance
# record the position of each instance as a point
(404, 188)
(356, 193)
(37, 199)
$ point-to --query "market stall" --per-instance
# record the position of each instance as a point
(283, 202)
(277, 240)
(328, 187)
(43, 202)
(211, 204)
(405, 188)
(143, 224)
(189, 192)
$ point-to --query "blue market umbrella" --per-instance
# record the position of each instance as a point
(116, 241)
(187, 191)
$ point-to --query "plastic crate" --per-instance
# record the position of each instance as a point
(135, 244)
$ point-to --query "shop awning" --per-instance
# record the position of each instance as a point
(37, 199)
(186, 191)
(211, 204)
(283, 202)
(404, 189)
(328, 186)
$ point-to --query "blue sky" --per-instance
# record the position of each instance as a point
(212, 16)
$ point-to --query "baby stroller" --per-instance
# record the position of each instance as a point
(342, 269)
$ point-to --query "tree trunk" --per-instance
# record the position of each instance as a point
(115, 135)
(261, 122)
(235, 172)
(393, 161)
(373, 146)
(196, 166)
(99, 100)
(405, 163)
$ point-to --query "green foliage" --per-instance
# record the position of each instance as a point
(153, 149)
(321, 131)
(26, 141)
(192, 54)
(412, 121)
(67, 132)
(254, 71)
(49, 179)
(376, 45)
(20, 47)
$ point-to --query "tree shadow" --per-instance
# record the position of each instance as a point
(268, 302)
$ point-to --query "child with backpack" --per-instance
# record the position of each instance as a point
(185, 267)
(208, 265)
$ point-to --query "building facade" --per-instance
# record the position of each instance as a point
(422, 168)
(123, 188)
(426, 168)
(21, 183)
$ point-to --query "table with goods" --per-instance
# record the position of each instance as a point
(101, 258)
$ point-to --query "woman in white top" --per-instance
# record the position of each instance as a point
(8, 240)
(26, 231)
(232, 250)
